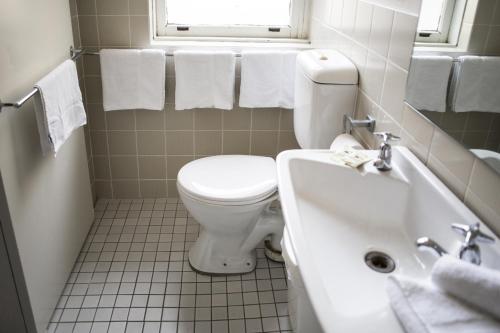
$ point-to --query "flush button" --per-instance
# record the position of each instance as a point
(323, 57)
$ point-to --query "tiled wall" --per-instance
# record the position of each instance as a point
(378, 36)
(137, 154)
(480, 35)
(479, 130)
(481, 27)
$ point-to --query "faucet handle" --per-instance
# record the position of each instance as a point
(387, 136)
(472, 233)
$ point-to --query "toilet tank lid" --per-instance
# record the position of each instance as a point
(327, 67)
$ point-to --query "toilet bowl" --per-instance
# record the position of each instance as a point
(231, 197)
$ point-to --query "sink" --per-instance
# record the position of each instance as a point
(335, 215)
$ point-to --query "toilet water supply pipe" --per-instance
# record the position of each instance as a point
(270, 223)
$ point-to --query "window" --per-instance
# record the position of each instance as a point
(231, 18)
(440, 21)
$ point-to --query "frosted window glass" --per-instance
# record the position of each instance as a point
(430, 15)
(229, 12)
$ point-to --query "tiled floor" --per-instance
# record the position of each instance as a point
(132, 275)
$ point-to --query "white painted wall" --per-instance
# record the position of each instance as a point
(49, 198)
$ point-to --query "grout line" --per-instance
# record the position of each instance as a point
(251, 132)
(137, 155)
(116, 218)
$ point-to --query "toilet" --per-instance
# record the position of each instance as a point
(232, 196)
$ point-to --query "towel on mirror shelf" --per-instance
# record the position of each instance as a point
(427, 85)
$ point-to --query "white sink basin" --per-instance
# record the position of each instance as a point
(335, 214)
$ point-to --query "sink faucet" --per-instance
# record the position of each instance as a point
(469, 250)
(424, 243)
(383, 162)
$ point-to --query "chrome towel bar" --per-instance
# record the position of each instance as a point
(74, 55)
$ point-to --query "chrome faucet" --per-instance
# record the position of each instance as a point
(469, 250)
(383, 162)
(425, 243)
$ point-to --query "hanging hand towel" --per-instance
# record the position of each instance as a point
(268, 79)
(427, 87)
(474, 85)
(133, 79)
(59, 106)
(204, 79)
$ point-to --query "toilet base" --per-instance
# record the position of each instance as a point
(216, 253)
(215, 256)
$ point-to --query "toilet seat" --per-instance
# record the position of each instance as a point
(229, 179)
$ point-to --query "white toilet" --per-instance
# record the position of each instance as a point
(231, 195)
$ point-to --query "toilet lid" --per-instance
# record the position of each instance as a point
(229, 178)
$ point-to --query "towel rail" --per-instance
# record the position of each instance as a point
(85, 52)
(74, 55)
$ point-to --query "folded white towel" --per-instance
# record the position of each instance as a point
(267, 79)
(422, 308)
(474, 85)
(59, 106)
(477, 285)
(427, 85)
(204, 79)
(133, 79)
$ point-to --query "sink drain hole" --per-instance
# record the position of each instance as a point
(380, 262)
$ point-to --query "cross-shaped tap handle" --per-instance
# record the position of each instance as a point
(387, 136)
(472, 233)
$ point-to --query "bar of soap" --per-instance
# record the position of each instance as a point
(350, 157)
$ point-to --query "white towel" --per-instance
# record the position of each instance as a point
(59, 107)
(479, 286)
(204, 79)
(474, 85)
(427, 85)
(268, 79)
(422, 308)
(133, 79)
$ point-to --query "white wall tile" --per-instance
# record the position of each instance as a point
(373, 79)
(394, 91)
(380, 34)
(349, 16)
(363, 23)
(336, 13)
(451, 162)
(402, 39)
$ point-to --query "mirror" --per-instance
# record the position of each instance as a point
(454, 77)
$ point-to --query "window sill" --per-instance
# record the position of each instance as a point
(445, 48)
(170, 44)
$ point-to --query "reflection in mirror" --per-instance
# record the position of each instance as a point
(454, 78)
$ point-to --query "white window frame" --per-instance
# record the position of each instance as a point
(296, 31)
(450, 12)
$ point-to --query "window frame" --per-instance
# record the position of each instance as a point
(445, 25)
(296, 31)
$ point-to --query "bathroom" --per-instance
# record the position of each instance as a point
(293, 167)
